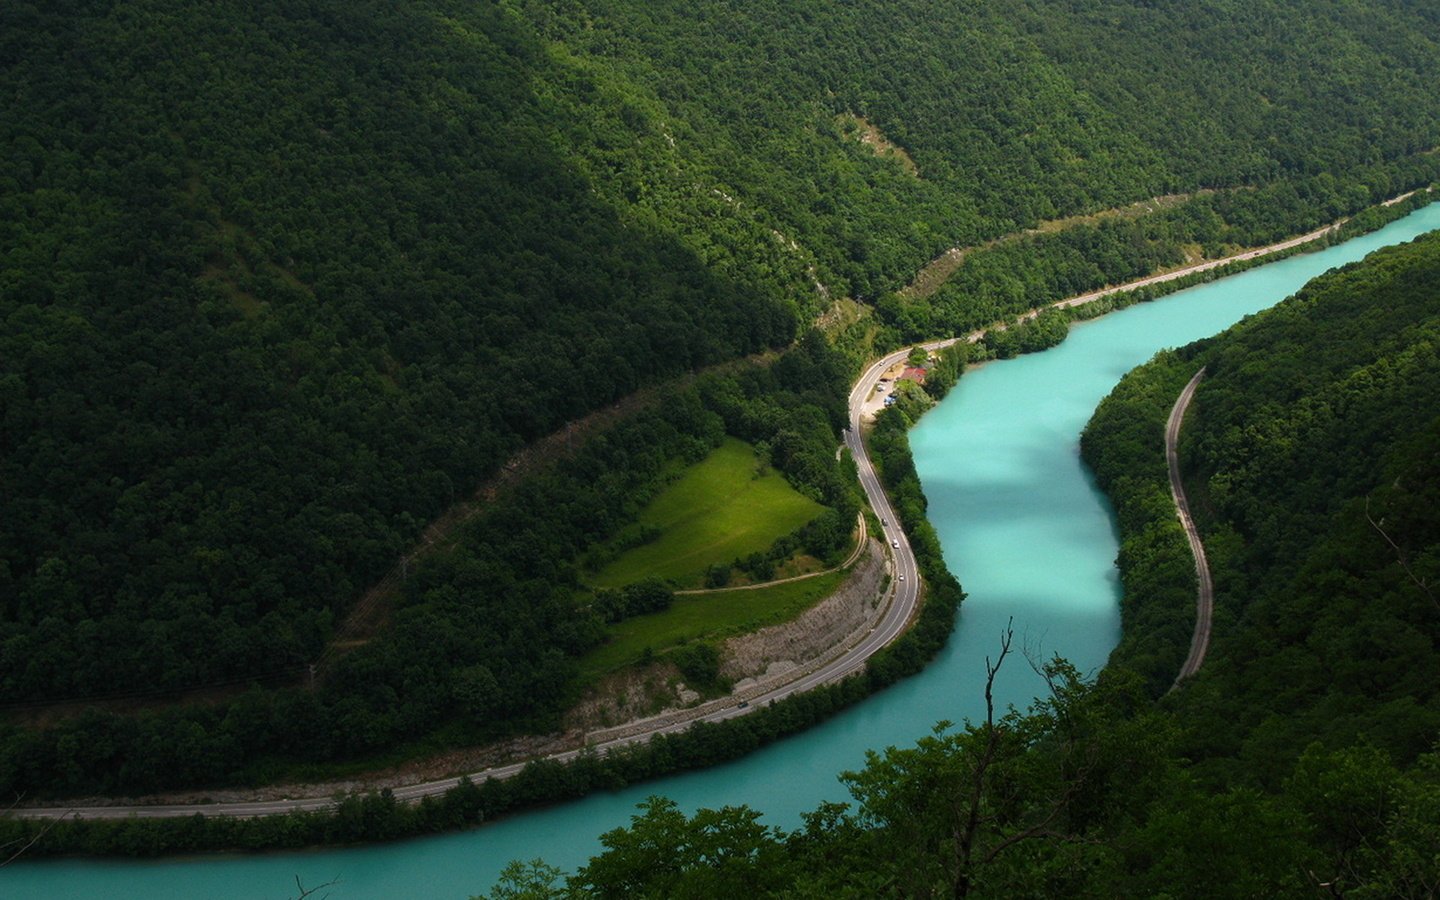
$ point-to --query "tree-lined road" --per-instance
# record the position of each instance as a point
(903, 593)
(903, 598)
(1204, 589)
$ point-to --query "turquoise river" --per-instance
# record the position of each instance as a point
(1023, 529)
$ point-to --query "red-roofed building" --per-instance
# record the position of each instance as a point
(914, 374)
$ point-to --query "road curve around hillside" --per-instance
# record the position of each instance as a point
(903, 598)
(1204, 588)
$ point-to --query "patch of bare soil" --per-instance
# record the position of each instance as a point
(875, 139)
(635, 692)
(470, 759)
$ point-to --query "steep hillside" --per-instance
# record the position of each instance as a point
(1300, 761)
(278, 289)
(1310, 458)
(281, 285)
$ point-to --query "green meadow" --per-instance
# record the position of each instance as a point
(719, 509)
(712, 615)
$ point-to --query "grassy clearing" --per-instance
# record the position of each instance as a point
(717, 511)
(716, 615)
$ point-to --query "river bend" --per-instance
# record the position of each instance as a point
(1022, 526)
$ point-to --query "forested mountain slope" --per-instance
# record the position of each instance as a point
(281, 284)
(1309, 457)
(278, 289)
(1311, 460)
(1302, 760)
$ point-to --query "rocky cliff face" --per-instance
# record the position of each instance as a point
(828, 625)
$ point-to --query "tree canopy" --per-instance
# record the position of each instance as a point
(281, 284)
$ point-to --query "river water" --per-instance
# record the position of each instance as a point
(1023, 528)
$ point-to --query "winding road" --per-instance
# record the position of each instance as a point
(901, 602)
(1205, 589)
(903, 597)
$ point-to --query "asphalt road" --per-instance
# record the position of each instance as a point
(903, 599)
(1204, 591)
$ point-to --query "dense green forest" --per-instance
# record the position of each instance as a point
(1310, 458)
(1303, 758)
(486, 633)
(281, 284)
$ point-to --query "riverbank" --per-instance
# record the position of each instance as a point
(564, 786)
